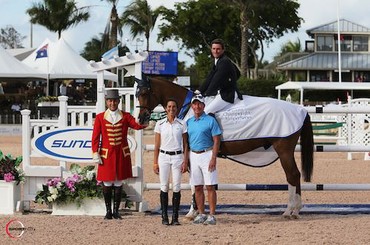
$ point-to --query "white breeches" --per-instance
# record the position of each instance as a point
(217, 104)
(167, 164)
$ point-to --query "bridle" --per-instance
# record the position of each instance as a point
(143, 86)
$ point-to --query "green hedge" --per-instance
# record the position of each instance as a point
(260, 87)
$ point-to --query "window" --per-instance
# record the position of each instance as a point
(362, 76)
(345, 43)
(360, 43)
(324, 43)
(319, 76)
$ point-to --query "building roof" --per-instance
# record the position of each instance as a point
(328, 61)
(323, 86)
(301, 86)
(346, 27)
(20, 53)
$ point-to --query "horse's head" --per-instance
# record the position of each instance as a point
(147, 99)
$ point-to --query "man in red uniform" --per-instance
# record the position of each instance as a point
(110, 149)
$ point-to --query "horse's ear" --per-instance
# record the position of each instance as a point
(143, 82)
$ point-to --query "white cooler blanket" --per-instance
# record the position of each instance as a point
(259, 117)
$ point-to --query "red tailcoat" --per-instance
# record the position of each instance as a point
(112, 146)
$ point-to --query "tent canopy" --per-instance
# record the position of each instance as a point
(62, 62)
(301, 86)
(10, 67)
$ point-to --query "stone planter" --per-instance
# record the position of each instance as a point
(10, 194)
(93, 207)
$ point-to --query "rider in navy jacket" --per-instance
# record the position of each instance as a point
(222, 78)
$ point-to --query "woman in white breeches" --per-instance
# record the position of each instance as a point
(170, 156)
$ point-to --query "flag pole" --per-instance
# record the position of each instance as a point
(48, 75)
(339, 51)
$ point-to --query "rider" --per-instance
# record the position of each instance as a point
(221, 80)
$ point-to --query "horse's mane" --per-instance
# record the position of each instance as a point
(167, 83)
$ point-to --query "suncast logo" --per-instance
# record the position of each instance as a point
(68, 144)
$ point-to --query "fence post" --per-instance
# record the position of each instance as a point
(26, 136)
(63, 113)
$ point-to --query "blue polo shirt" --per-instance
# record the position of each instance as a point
(201, 132)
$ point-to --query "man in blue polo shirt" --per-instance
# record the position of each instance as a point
(204, 142)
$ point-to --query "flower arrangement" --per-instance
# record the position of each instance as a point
(10, 169)
(74, 189)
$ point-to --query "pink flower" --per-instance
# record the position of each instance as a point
(70, 183)
(54, 182)
(8, 177)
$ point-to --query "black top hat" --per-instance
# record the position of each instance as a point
(112, 94)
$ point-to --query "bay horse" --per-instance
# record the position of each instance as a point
(154, 91)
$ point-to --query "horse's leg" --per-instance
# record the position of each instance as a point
(285, 149)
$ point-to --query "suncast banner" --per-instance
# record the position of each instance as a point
(71, 144)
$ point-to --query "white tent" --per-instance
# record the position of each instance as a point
(62, 62)
(301, 86)
(10, 67)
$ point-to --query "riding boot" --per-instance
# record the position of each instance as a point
(107, 193)
(117, 201)
(164, 207)
(175, 208)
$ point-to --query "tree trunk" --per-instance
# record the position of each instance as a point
(114, 27)
(244, 43)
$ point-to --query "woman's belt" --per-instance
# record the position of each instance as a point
(171, 152)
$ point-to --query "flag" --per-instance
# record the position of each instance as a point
(42, 52)
(110, 53)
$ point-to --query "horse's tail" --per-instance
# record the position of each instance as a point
(307, 145)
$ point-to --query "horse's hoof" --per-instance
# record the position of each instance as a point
(287, 214)
(295, 215)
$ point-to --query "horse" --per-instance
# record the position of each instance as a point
(151, 92)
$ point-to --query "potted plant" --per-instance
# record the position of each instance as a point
(11, 175)
(78, 194)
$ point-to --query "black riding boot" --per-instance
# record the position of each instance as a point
(164, 207)
(117, 201)
(175, 208)
(107, 193)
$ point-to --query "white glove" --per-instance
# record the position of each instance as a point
(97, 158)
(197, 92)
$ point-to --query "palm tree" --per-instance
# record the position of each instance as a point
(140, 18)
(291, 47)
(113, 27)
(57, 16)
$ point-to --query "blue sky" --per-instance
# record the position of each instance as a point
(314, 13)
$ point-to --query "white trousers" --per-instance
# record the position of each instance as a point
(167, 164)
(217, 104)
(199, 173)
